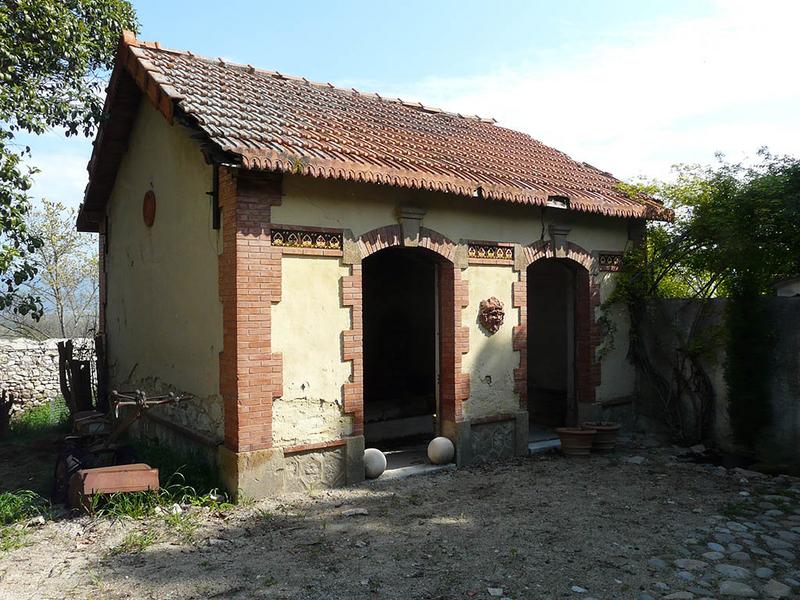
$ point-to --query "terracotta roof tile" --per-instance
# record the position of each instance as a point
(275, 122)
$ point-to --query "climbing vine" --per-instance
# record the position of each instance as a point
(734, 233)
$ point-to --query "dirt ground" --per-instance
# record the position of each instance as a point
(539, 527)
(28, 463)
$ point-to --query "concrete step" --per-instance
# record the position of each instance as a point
(411, 470)
(543, 446)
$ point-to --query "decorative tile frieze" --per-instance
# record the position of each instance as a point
(610, 261)
(323, 240)
(489, 251)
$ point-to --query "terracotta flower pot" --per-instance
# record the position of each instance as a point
(606, 438)
(576, 441)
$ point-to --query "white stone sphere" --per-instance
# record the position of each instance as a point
(374, 463)
(441, 451)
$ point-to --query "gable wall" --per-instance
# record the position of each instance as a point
(163, 313)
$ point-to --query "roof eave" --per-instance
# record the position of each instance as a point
(358, 172)
(130, 80)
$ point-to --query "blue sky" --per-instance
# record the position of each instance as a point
(629, 86)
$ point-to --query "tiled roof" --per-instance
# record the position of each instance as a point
(271, 121)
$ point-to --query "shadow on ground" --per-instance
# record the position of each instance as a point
(534, 528)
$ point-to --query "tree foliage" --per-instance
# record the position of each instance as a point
(55, 56)
(735, 233)
(732, 221)
(66, 277)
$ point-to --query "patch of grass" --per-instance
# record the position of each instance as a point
(16, 507)
(21, 505)
(195, 472)
(184, 526)
(264, 515)
(136, 542)
(734, 510)
(143, 504)
(52, 417)
(267, 580)
(12, 537)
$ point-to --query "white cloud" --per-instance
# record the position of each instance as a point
(62, 177)
(645, 97)
(61, 162)
(654, 95)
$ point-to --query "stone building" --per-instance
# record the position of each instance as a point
(321, 267)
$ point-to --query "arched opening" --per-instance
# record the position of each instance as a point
(401, 347)
(553, 323)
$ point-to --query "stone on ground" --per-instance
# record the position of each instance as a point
(690, 564)
(764, 572)
(736, 589)
(776, 589)
(733, 571)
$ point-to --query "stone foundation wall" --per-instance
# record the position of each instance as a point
(29, 369)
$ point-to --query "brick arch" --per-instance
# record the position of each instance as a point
(453, 338)
(544, 249)
(587, 331)
(392, 235)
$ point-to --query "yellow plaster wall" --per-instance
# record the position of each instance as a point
(307, 326)
(164, 317)
(491, 359)
(363, 207)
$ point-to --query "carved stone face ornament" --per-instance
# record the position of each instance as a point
(491, 314)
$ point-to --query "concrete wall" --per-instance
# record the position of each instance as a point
(618, 374)
(789, 288)
(666, 330)
(163, 315)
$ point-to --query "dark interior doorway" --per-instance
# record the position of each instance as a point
(551, 345)
(400, 346)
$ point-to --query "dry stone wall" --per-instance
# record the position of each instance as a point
(29, 369)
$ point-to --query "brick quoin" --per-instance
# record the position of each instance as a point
(519, 336)
(453, 339)
(353, 348)
(588, 335)
(249, 283)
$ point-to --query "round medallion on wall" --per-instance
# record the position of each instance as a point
(149, 208)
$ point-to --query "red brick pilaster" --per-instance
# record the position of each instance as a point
(588, 337)
(453, 343)
(249, 283)
(519, 299)
(353, 348)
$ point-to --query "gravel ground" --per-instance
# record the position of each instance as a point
(636, 525)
